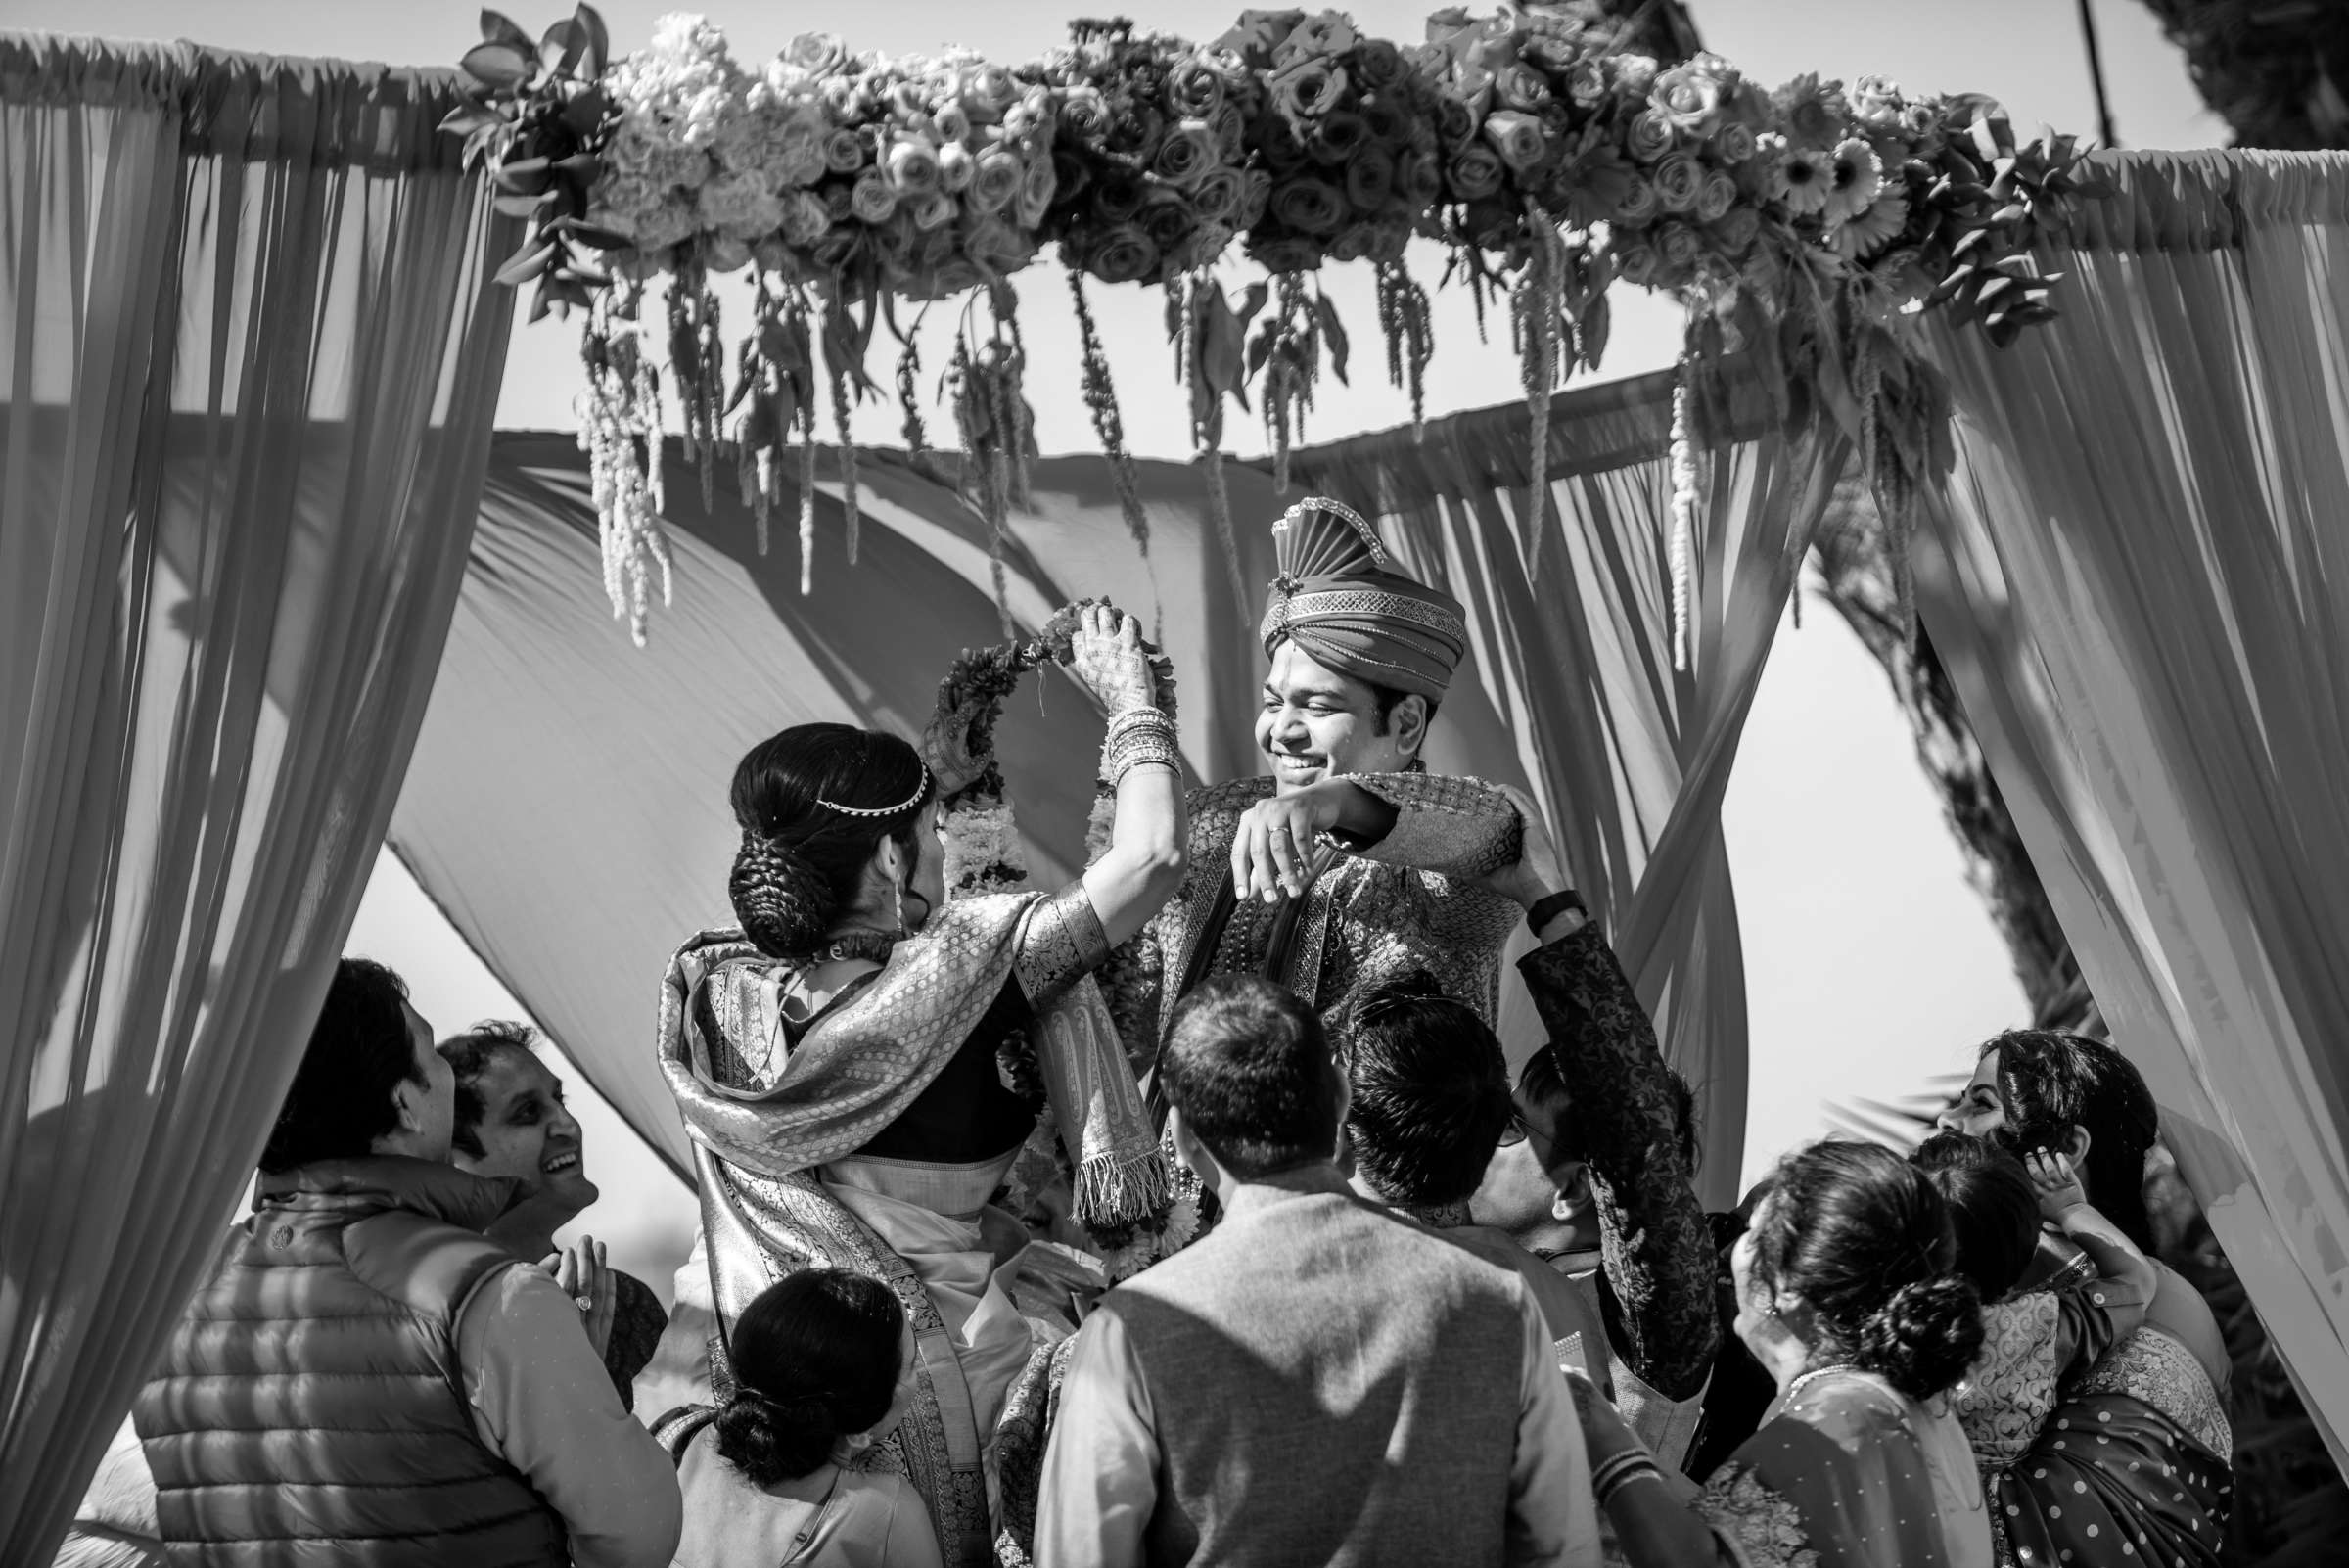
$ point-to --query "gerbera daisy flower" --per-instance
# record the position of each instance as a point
(1855, 176)
(1877, 227)
(1801, 178)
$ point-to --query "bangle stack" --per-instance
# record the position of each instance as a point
(1139, 737)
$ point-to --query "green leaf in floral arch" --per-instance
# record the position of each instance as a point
(526, 262)
(1591, 331)
(1335, 330)
(525, 177)
(500, 66)
(470, 116)
(595, 235)
(1260, 348)
(598, 46)
(499, 27)
(1252, 301)
(519, 204)
(561, 48)
(584, 113)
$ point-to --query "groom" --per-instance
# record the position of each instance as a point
(1348, 864)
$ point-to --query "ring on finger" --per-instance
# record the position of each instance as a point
(585, 1304)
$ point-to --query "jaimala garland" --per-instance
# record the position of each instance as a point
(1807, 224)
(983, 855)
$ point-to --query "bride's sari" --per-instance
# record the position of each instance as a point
(780, 1108)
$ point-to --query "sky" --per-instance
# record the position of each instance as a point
(1870, 965)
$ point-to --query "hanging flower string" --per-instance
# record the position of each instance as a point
(1684, 516)
(1101, 402)
(1812, 219)
(620, 430)
(1539, 303)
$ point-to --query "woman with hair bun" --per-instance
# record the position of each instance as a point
(823, 1369)
(1847, 1298)
(860, 1064)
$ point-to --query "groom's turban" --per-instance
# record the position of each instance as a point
(1345, 610)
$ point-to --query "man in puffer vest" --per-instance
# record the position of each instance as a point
(364, 1379)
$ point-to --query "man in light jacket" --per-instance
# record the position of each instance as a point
(1317, 1379)
(364, 1368)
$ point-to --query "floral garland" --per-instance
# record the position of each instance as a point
(1808, 224)
(982, 856)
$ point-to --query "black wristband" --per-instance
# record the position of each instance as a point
(1545, 910)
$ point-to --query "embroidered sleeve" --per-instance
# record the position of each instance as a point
(1061, 941)
(1758, 1526)
(1655, 1245)
(2090, 1317)
(1455, 827)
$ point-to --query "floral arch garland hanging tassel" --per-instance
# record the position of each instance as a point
(1806, 225)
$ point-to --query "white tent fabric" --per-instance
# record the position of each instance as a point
(2140, 589)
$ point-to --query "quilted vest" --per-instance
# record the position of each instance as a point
(1379, 1364)
(311, 1393)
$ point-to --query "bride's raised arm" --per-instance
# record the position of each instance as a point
(1141, 761)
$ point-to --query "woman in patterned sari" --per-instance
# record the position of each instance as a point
(1847, 1298)
(857, 1064)
(2133, 1465)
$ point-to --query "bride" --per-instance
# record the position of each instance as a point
(841, 1061)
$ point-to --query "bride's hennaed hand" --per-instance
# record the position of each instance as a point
(1107, 659)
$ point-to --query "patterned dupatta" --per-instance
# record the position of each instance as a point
(765, 1214)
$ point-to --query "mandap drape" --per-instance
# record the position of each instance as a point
(1570, 692)
(567, 803)
(2140, 580)
(250, 357)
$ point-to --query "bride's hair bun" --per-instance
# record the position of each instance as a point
(772, 1440)
(784, 903)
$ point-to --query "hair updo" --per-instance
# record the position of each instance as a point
(1863, 1238)
(800, 861)
(2052, 1082)
(816, 1360)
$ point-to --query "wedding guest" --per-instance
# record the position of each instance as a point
(823, 1367)
(2157, 1474)
(1609, 1157)
(364, 1368)
(1428, 1104)
(1847, 1294)
(1315, 1380)
(511, 1123)
(2033, 1340)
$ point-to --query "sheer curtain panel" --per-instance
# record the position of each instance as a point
(2141, 581)
(250, 359)
(1570, 690)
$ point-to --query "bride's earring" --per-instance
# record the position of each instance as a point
(896, 896)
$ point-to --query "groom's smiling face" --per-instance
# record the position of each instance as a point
(1316, 723)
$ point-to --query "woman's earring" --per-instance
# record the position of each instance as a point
(896, 896)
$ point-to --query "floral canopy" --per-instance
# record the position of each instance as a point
(1810, 224)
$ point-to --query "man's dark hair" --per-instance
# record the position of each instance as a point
(1385, 700)
(469, 1056)
(1431, 1093)
(1539, 1080)
(1248, 1065)
(344, 1096)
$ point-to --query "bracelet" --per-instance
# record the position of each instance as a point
(1144, 716)
(1611, 1475)
(1545, 910)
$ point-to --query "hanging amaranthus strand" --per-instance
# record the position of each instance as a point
(916, 434)
(1101, 401)
(807, 496)
(1289, 347)
(1684, 516)
(1539, 303)
(698, 357)
(977, 398)
(1402, 319)
(1209, 340)
(620, 430)
(848, 460)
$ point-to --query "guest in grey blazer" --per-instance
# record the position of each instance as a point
(1317, 1380)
